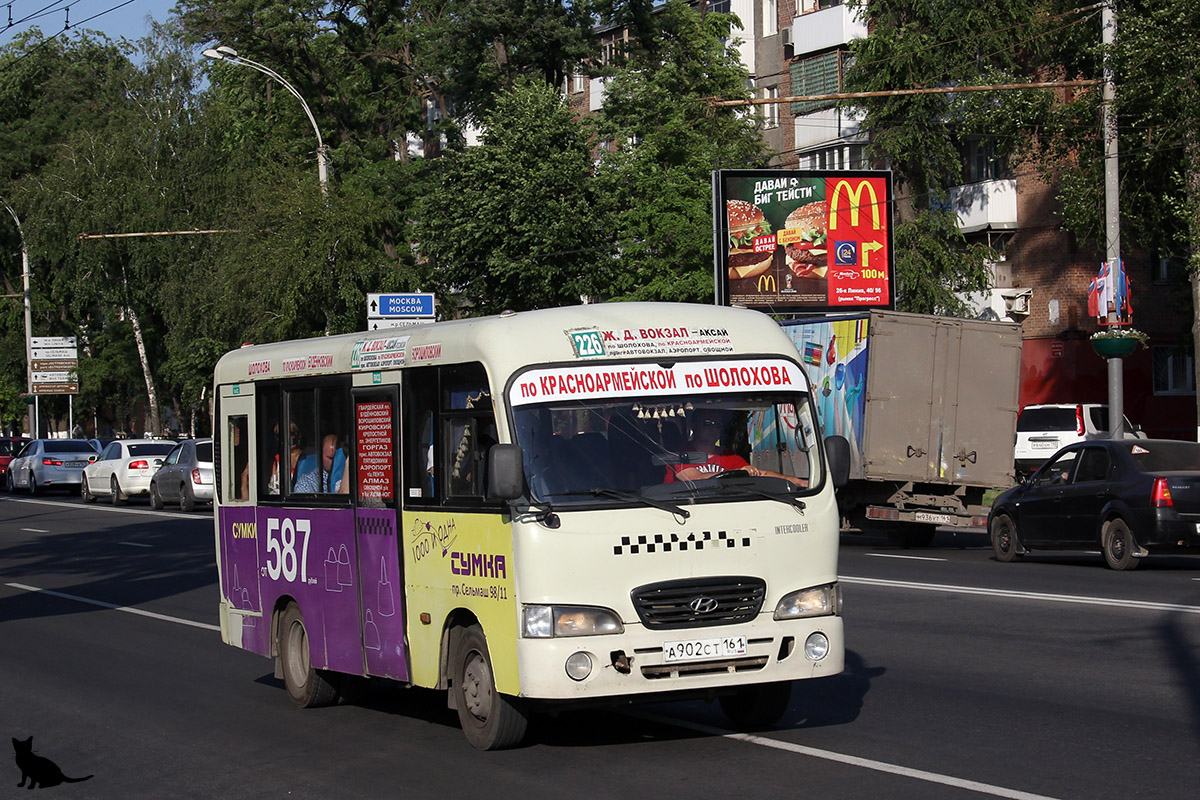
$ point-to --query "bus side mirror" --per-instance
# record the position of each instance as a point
(506, 472)
(837, 449)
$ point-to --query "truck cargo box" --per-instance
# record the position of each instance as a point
(928, 404)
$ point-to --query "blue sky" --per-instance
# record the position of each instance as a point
(116, 18)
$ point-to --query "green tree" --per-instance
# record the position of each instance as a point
(662, 141)
(915, 45)
(511, 223)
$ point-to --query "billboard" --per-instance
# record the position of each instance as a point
(803, 240)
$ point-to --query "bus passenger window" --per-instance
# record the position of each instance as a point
(269, 442)
(239, 480)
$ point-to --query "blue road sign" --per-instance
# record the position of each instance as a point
(417, 304)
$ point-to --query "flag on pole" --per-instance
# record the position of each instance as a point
(1110, 292)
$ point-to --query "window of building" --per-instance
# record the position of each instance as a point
(1174, 370)
(770, 111)
(849, 156)
(981, 162)
(770, 12)
(821, 74)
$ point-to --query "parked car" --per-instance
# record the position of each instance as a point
(124, 469)
(1129, 497)
(46, 463)
(186, 476)
(1043, 429)
(9, 447)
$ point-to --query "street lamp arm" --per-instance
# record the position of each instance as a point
(223, 53)
(265, 70)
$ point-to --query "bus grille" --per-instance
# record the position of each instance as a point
(732, 665)
(699, 603)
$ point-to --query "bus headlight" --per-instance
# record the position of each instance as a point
(820, 601)
(544, 622)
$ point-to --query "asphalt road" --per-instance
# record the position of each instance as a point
(1053, 677)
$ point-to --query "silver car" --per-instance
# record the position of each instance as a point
(49, 463)
(186, 476)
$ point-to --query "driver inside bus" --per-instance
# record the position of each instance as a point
(708, 425)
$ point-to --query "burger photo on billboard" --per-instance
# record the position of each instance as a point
(807, 249)
(747, 223)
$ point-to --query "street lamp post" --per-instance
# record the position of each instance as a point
(230, 56)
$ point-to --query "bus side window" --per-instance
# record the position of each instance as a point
(239, 481)
(419, 435)
(269, 414)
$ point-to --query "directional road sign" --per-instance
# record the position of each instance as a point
(417, 304)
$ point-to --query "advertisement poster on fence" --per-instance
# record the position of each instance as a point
(803, 240)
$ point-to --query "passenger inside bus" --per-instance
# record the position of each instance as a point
(331, 477)
(712, 435)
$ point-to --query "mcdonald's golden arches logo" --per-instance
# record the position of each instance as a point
(854, 196)
(766, 283)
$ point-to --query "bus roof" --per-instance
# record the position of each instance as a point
(514, 340)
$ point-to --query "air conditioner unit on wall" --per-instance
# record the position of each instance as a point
(785, 36)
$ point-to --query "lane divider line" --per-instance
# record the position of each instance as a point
(135, 544)
(1110, 602)
(34, 530)
(127, 609)
(909, 558)
(97, 507)
(841, 758)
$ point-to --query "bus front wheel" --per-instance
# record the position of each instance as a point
(490, 720)
(308, 687)
(757, 706)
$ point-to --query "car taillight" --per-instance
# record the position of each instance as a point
(1079, 420)
(139, 464)
(51, 462)
(196, 477)
(1161, 496)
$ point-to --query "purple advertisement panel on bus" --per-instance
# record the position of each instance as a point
(382, 593)
(239, 573)
(305, 554)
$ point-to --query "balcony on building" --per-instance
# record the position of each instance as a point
(821, 25)
(985, 205)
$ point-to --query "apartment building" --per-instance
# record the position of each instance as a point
(1042, 275)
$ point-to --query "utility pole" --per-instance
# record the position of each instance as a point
(32, 410)
(1112, 215)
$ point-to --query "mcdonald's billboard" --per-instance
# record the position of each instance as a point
(803, 240)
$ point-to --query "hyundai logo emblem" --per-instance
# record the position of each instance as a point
(703, 604)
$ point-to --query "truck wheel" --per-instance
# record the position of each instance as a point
(1118, 545)
(308, 687)
(1005, 542)
(757, 706)
(912, 535)
(490, 720)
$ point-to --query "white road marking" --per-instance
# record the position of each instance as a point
(1110, 602)
(34, 530)
(135, 544)
(117, 509)
(841, 758)
(127, 609)
(910, 558)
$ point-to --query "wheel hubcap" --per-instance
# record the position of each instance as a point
(1118, 546)
(476, 689)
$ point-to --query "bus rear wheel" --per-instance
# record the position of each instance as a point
(490, 720)
(308, 687)
(757, 706)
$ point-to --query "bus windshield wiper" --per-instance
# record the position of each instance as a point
(742, 488)
(618, 494)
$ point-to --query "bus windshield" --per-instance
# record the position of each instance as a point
(730, 446)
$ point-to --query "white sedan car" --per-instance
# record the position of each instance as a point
(124, 469)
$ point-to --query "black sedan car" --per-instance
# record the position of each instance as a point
(1129, 497)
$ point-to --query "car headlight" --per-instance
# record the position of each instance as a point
(544, 622)
(819, 601)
